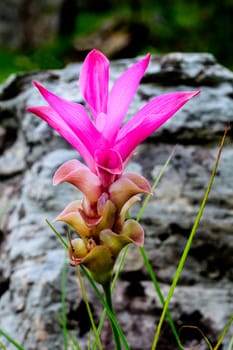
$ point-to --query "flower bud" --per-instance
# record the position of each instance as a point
(77, 249)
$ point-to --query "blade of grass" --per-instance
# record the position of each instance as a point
(63, 304)
(188, 244)
(119, 267)
(160, 295)
(2, 346)
(110, 314)
(230, 346)
(108, 299)
(11, 340)
(63, 242)
(89, 340)
(224, 332)
(85, 298)
(74, 342)
(144, 255)
(155, 184)
(200, 331)
(63, 320)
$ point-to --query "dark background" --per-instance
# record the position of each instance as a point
(49, 34)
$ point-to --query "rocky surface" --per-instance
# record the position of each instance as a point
(32, 259)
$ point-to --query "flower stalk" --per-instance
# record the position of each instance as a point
(106, 145)
(108, 299)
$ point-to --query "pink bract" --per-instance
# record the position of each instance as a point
(102, 141)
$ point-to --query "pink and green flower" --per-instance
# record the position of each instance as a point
(106, 144)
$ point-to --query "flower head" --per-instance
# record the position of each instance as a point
(101, 140)
(105, 144)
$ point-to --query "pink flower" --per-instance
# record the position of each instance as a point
(101, 140)
(100, 218)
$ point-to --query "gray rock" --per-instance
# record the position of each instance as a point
(32, 258)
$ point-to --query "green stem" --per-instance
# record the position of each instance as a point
(63, 303)
(103, 301)
(121, 262)
(85, 298)
(108, 298)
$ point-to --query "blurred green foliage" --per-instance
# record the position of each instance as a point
(174, 25)
(46, 57)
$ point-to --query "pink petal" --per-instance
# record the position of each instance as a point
(134, 231)
(127, 186)
(148, 119)
(105, 219)
(121, 96)
(75, 116)
(108, 165)
(81, 177)
(93, 82)
(108, 217)
(124, 210)
(90, 221)
(71, 216)
(57, 123)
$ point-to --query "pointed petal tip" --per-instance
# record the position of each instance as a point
(96, 52)
(64, 170)
(43, 91)
(57, 218)
(147, 57)
(191, 94)
(37, 84)
(95, 56)
(30, 109)
(55, 181)
(34, 109)
(145, 61)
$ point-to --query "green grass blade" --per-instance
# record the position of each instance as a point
(110, 314)
(11, 340)
(144, 255)
(74, 342)
(63, 304)
(155, 184)
(230, 346)
(222, 336)
(63, 242)
(200, 331)
(2, 346)
(160, 295)
(108, 299)
(85, 298)
(120, 264)
(188, 244)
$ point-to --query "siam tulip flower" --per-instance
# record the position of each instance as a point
(101, 140)
(106, 145)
